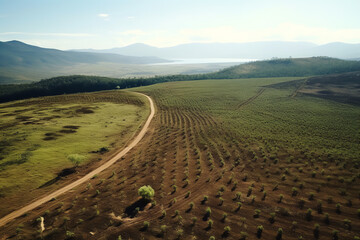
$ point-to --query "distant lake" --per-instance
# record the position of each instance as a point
(205, 60)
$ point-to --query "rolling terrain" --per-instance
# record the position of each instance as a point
(232, 159)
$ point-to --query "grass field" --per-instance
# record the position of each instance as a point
(229, 159)
(39, 135)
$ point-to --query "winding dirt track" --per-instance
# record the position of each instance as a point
(88, 176)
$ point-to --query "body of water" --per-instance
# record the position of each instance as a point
(205, 60)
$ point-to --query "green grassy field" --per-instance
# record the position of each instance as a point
(38, 135)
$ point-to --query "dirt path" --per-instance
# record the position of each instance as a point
(88, 176)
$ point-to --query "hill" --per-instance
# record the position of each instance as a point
(294, 67)
(20, 62)
(343, 87)
(15, 53)
(250, 50)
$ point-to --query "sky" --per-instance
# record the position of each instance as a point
(102, 24)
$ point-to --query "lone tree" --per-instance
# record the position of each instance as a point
(146, 192)
(76, 159)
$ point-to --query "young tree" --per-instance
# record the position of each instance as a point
(146, 192)
(76, 159)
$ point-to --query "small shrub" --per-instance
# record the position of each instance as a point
(338, 208)
(253, 199)
(280, 198)
(316, 231)
(208, 212)
(163, 229)
(243, 235)
(146, 225)
(319, 207)
(311, 196)
(194, 220)
(69, 234)
(347, 224)
(163, 213)
(264, 196)
(224, 217)
(249, 191)
(257, 213)
(227, 230)
(272, 217)
(327, 219)
(210, 223)
(335, 235)
(239, 204)
(309, 214)
(238, 196)
(294, 191)
(204, 199)
(279, 234)
(259, 231)
(191, 205)
(179, 233)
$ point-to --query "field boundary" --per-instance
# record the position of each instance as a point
(15, 214)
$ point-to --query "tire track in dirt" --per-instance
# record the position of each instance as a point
(261, 91)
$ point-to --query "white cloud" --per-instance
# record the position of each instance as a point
(103, 15)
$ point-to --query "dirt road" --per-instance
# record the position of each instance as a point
(88, 176)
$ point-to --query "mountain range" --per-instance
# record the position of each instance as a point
(251, 50)
(15, 53)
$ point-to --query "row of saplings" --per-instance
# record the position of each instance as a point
(147, 193)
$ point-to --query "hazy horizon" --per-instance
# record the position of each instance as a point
(91, 24)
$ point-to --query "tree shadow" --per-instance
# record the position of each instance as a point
(137, 206)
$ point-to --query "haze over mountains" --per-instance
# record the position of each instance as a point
(251, 50)
(15, 53)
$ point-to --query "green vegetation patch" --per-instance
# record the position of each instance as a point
(40, 137)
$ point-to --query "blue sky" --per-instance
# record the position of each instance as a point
(101, 24)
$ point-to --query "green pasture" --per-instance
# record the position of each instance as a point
(36, 139)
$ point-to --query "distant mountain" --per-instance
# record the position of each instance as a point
(290, 67)
(15, 54)
(251, 50)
